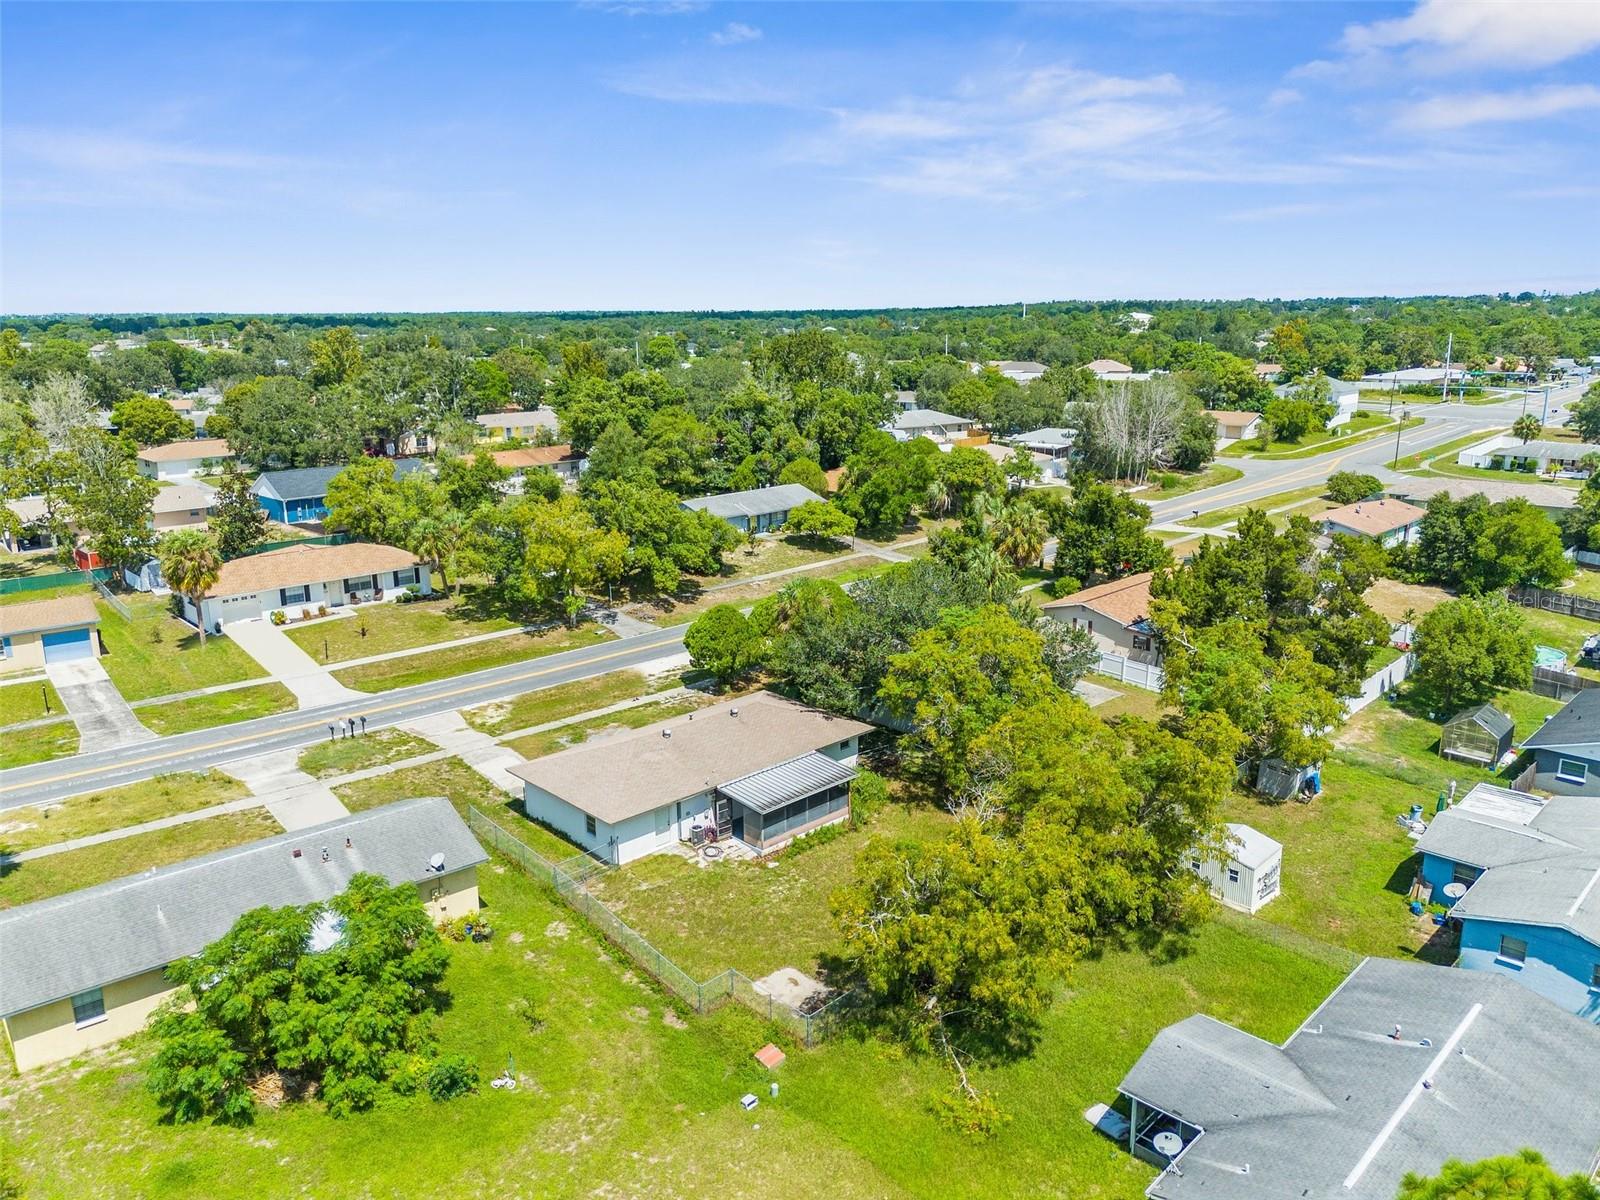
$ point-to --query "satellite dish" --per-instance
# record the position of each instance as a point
(436, 862)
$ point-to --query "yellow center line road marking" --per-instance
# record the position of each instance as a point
(320, 723)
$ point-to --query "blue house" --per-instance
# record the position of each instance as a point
(1522, 877)
(301, 494)
(1566, 748)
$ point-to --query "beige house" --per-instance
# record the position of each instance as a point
(179, 460)
(1116, 613)
(1388, 522)
(515, 423)
(299, 578)
(761, 770)
(37, 632)
(1233, 425)
(88, 968)
(181, 506)
(565, 462)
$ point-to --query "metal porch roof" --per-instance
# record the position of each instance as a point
(773, 787)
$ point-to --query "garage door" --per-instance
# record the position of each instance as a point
(241, 608)
(64, 647)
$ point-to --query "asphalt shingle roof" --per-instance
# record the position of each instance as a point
(41, 616)
(1576, 726)
(68, 944)
(292, 566)
(311, 483)
(1482, 1067)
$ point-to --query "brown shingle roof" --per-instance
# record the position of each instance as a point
(191, 448)
(1232, 417)
(294, 565)
(1123, 600)
(41, 616)
(534, 456)
(1374, 517)
(638, 772)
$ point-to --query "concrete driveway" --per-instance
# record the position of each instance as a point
(102, 716)
(291, 666)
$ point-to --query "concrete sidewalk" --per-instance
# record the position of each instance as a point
(294, 798)
(481, 752)
(102, 716)
(291, 666)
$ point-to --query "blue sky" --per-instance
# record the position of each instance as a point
(275, 157)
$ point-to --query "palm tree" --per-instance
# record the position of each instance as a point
(439, 539)
(1526, 427)
(939, 498)
(1022, 532)
(191, 565)
(991, 569)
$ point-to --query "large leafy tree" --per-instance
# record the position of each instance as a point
(1521, 1176)
(664, 540)
(1467, 649)
(274, 421)
(109, 500)
(149, 421)
(821, 521)
(1100, 534)
(366, 501)
(561, 553)
(260, 999)
(191, 564)
(237, 521)
(723, 641)
(886, 480)
(336, 357)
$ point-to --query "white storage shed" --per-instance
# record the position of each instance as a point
(1250, 876)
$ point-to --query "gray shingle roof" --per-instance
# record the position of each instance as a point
(311, 483)
(928, 418)
(1575, 727)
(1558, 892)
(773, 787)
(1483, 1067)
(68, 944)
(756, 502)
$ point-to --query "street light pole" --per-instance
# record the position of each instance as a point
(1405, 415)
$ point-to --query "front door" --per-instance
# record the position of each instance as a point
(664, 833)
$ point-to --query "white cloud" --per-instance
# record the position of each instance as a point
(1447, 34)
(734, 33)
(112, 154)
(1283, 97)
(1477, 108)
(1278, 212)
(646, 8)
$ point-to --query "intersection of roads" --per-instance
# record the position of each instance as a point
(200, 749)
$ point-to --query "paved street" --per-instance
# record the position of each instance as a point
(211, 747)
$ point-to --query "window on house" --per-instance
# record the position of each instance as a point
(1594, 979)
(1465, 874)
(1140, 643)
(1571, 770)
(1194, 864)
(845, 745)
(5, 647)
(296, 595)
(1513, 949)
(88, 1007)
(588, 825)
(406, 577)
(1233, 874)
(1090, 625)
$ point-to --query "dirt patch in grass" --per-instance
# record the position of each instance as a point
(1390, 599)
(536, 745)
(682, 609)
(554, 703)
(40, 744)
(380, 628)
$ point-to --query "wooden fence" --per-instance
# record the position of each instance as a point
(1564, 603)
(1559, 685)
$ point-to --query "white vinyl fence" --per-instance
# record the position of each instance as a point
(1382, 680)
(1141, 674)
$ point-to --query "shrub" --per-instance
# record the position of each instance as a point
(868, 794)
(451, 1076)
(1064, 585)
(1166, 481)
(279, 617)
(975, 1114)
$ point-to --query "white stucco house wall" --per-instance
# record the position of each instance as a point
(298, 580)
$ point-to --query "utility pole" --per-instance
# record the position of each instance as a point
(1444, 389)
(1405, 415)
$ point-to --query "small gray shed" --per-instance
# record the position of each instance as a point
(1479, 735)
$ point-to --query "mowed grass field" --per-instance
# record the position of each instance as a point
(621, 1094)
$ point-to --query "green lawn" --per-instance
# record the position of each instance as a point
(380, 628)
(1455, 470)
(554, 703)
(330, 758)
(752, 916)
(25, 882)
(1358, 429)
(21, 702)
(1584, 583)
(24, 746)
(116, 808)
(1563, 632)
(680, 610)
(621, 1096)
(30, 563)
(458, 660)
(535, 745)
(1411, 462)
(775, 554)
(155, 654)
(1213, 476)
(52, 593)
(1130, 701)
(219, 708)
(1226, 516)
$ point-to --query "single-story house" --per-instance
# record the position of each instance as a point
(1019, 371)
(1234, 425)
(1550, 498)
(297, 578)
(929, 423)
(1388, 522)
(1053, 443)
(301, 494)
(566, 463)
(761, 769)
(1110, 368)
(33, 534)
(181, 506)
(1480, 735)
(760, 509)
(1403, 1067)
(515, 423)
(89, 967)
(36, 632)
(1411, 377)
(1507, 452)
(179, 460)
(1566, 748)
(905, 399)
(1116, 613)
(1346, 400)
(1520, 873)
(1250, 874)
(1268, 370)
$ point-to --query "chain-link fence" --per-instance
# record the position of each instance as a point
(568, 877)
